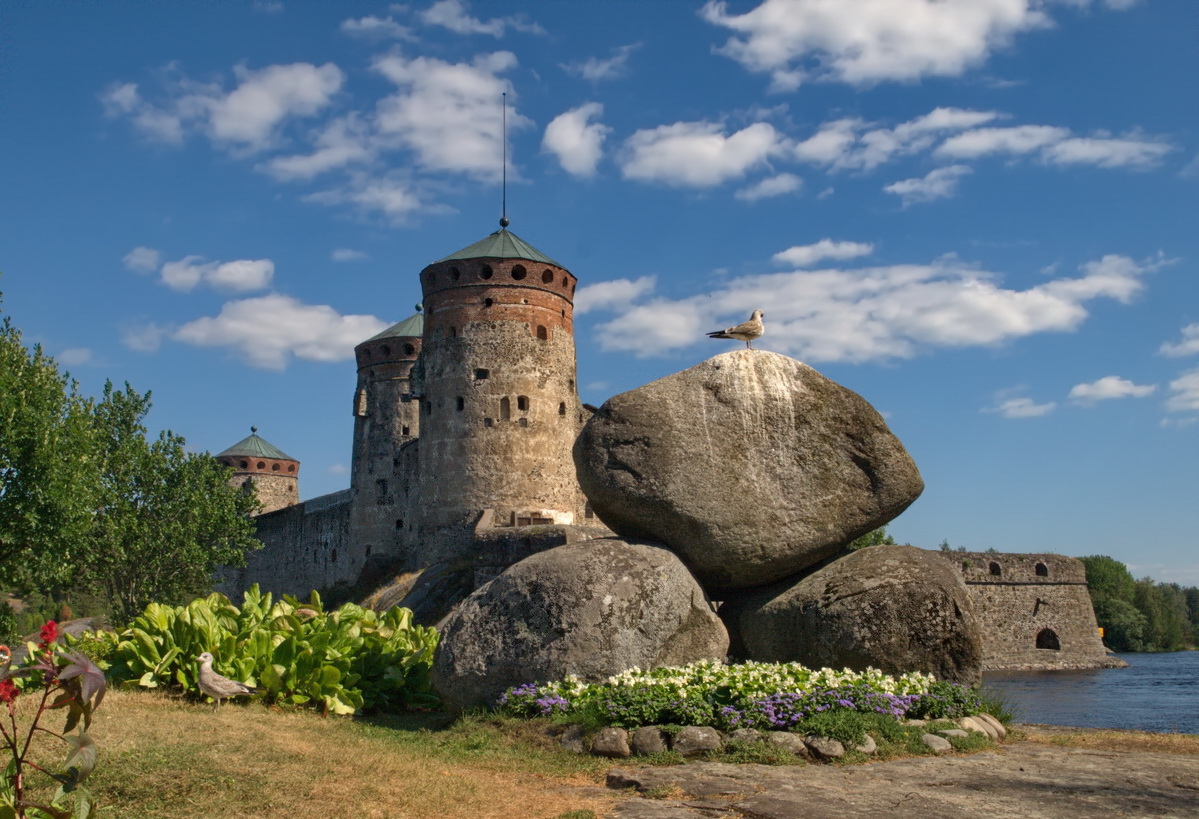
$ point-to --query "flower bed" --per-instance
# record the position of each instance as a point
(768, 696)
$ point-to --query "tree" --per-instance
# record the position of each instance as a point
(878, 537)
(1108, 577)
(47, 473)
(167, 519)
(1123, 626)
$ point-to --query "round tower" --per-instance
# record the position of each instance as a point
(385, 419)
(265, 470)
(499, 409)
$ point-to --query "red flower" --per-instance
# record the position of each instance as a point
(8, 690)
(49, 633)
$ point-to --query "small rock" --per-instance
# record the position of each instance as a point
(749, 736)
(976, 724)
(789, 742)
(824, 747)
(649, 740)
(954, 732)
(693, 741)
(938, 744)
(611, 742)
(867, 747)
(994, 723)
(915, 722)
(572, 740)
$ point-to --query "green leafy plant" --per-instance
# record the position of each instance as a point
(343, 662)
(53, 678)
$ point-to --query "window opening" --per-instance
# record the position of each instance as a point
(519, 272)
(480, 374)
(488, 302)
(1047, 639)
(547, 277)
(542, 333)
(505, 408)
(461, 403)
(409, 349)
(1042, 570)
(455, 273)
(522, 403)
(995, 570)
(562, 408)
(485, 273)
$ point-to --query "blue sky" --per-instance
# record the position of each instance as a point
(980, 215)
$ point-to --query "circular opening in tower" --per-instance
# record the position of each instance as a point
(519, 272)
(274, 467)
(547, 276)
(262, 465)
(386, 350)
(291, 467)
(485, 272)
(455, 274)
(488, 302)
(409, 349)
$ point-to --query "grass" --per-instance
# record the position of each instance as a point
(163, 757)
(1187, 744)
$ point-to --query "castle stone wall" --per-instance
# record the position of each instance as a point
(1034, 610)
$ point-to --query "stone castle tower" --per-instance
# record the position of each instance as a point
(265, 470)
(385, 419)
(499, 407)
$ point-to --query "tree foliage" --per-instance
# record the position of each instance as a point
(878, 537)
(90, 505)
(1141, 615)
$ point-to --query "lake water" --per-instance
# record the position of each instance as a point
(1157, 692)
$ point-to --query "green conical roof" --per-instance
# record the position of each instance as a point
(503, 244)
(255, 447)
(411, 327)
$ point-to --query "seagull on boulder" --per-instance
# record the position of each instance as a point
(746, 332)
(216, 686)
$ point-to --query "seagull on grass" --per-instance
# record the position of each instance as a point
(216, 686)
(746, 332)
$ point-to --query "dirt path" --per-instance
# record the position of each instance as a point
(1022, 779)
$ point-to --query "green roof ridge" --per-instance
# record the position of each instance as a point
(255, 447)
(503, 244)
(411, 327)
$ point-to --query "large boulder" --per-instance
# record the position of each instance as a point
(591, 609)
(895, 608)
(750, 466)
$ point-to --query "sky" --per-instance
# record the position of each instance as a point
(978, 214)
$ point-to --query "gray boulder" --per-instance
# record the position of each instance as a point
(751, 466)
(611, 742)
(590, 609)
(895, 608)
(695, 740)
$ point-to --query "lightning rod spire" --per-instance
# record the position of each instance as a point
(504, 171)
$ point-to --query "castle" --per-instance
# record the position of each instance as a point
(464, 419)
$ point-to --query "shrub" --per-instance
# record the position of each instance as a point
(946, 700)
(345, 661)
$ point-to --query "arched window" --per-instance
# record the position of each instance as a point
(1047, 639)
(995, 570)
(519, 272)
(485, 272)
(1042, 570)
(505, 408)
(542, 333)
(522, 403)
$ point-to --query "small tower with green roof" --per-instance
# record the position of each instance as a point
(265, 470)
(499, 409)
(386, 418)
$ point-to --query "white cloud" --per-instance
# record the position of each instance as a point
(74, 356)
(452, 14)
(1107, 388)
(345, 254)
(1189, 345)
(1022, 408)
(246, 118)
(832, 141)
(268, 331)
(394, 196)
(339, 469)
(617, 293)
(1184, 393)
(697, 154)
(376, 27)
(241, 275)
(342, 142)
(808, 255)
(941, 183)
(145, 338)
(868, 41)
(1056, 146)
(853, 144)
(575, 140)
(875, 313)
(595, 69)
(771, 186)
(142, 260)
(449, 114)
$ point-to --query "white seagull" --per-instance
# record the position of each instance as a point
(746, 332)
(216, 686)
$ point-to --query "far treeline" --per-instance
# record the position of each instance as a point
(97, 518)
(1135, 615)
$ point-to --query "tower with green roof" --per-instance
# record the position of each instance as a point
(386, 420)
(499, 408)
(265, 470)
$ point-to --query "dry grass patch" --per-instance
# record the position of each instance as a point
(1116, 740)
(164, 758)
